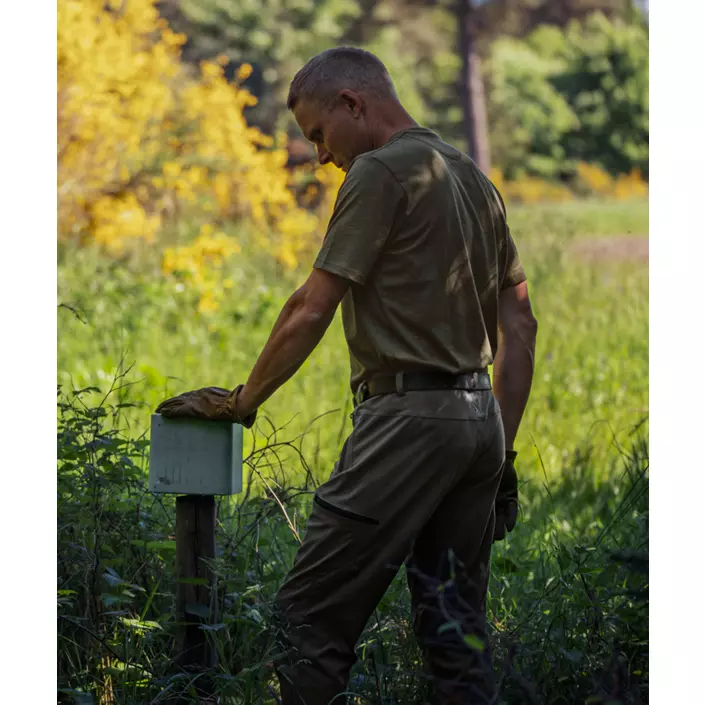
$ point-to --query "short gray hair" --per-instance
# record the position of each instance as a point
(334, 70)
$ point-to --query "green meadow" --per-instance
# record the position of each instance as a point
(568, 600)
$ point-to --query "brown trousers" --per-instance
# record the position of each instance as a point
(415, 484)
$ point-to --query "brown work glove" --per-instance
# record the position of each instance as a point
(212, 403)
(506, 503)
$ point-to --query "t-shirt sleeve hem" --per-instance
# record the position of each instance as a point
(513, 280)
(340, 271)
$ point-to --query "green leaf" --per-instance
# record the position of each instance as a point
(212, 627)
(139, 624)
(113, 671)
(474, 642)
(110, 600)
(198, 609)
(506, 565)
(447, 627)
(78, 392)
(113, 578)
(254, 615)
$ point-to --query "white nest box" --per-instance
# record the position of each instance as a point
(194, 456)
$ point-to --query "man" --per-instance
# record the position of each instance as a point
(432, 292)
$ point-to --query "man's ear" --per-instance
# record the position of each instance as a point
(353, 102)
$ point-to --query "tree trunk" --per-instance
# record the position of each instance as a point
(472, 88)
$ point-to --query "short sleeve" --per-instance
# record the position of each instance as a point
(514, 271)
(362, 219)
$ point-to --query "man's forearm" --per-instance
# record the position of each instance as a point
(513, 372)
(295, 335)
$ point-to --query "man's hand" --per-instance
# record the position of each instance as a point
(211, 403)
(507, 502)
(299, 328)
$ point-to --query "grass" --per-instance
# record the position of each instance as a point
(591, 366)
(568, 602)
(568, 595)
(592, 217)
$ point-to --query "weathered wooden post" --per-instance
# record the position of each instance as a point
(197, 460)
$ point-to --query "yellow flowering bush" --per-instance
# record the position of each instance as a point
(115, 93)
(589, 180)
(200, 264)
(142, 143)
(630, 185)
(592, 179)
(530, 189)
(331, 179)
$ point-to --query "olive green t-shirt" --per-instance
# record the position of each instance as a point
(422, 235)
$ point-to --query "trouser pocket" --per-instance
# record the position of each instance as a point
(337, 542)
(346, 513)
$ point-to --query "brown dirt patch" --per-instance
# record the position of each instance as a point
(616, 248)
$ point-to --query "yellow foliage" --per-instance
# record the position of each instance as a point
(118, 218)
(331, 179)
(208, 250)
(496, 177)
(142, 143)
(139, 141)
(593, 179)
(533, 190)
(630, 185)
(113, 96)
(590, 180)
(200, 265)
(529, 189)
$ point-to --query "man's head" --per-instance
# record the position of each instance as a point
(344, 102)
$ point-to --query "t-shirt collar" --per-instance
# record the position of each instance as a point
(416, 130)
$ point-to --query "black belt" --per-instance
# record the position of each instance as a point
(422, 381)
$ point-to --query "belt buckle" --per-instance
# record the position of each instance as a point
(362, 389)
(470, 382)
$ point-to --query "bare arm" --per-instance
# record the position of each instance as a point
(514, 363)
(298, 330)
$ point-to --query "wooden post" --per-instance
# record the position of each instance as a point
(196, 460)
(195, 603)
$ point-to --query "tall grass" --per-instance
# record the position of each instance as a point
(591, 381)
(568, 595)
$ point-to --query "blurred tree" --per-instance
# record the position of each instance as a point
(562, 96)
(606, 83)
(462, 33)
(529, 118)
(275, 37)
(434, 50)
(278, 39)
(472, 87)
(518, 18)
(427, 47)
